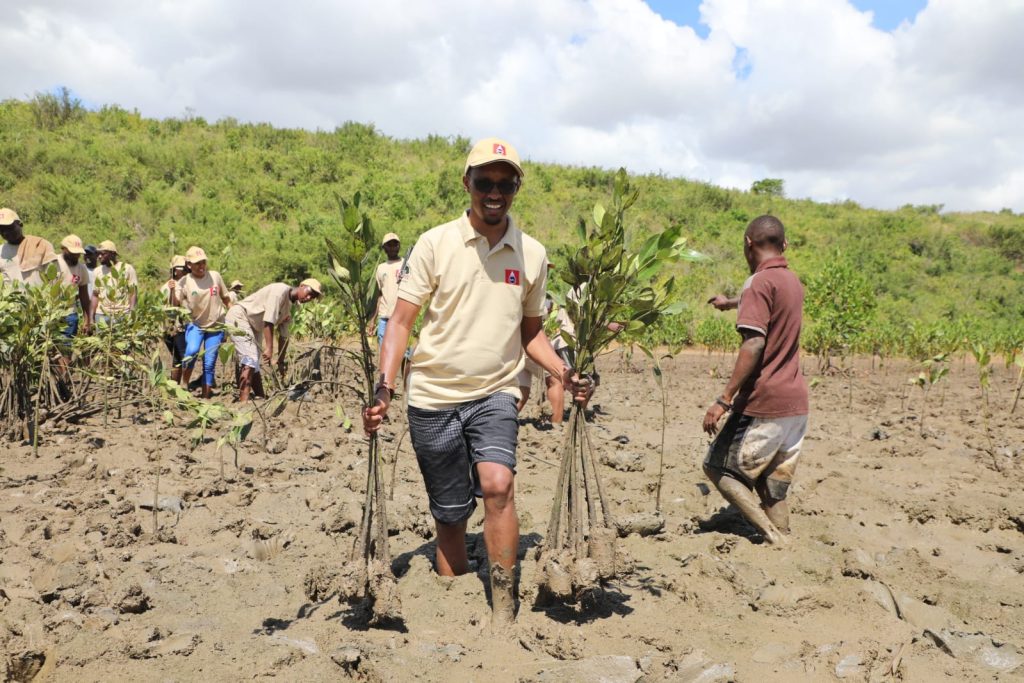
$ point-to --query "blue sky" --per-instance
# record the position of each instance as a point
(888, 14)
(803, 90)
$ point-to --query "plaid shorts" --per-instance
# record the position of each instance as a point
(449, 442)
(757, 448)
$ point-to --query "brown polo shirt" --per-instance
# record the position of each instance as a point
(470, 345)
(772, 303)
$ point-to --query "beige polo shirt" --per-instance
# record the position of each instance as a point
(272, 304)
(202, 298)
(114, 303)
(10, 267)
(470, 345)
(73, 276)
(388, 276)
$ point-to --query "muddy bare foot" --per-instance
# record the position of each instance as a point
(503, 602)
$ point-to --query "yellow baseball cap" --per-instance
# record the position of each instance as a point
(388, 237)
(107, 245)
(492, 150)
(313, 284)
(236, 284)
(195, 255)
(178, 261)
(8, 217)
(73, 243)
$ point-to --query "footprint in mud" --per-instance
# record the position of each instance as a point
(264, 549)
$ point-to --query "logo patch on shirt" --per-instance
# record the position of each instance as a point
(511, 276)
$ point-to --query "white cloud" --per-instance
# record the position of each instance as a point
(805, 90)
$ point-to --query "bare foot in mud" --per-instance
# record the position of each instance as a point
(503, 599)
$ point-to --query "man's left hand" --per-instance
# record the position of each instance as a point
(711, 418)
(582, 388)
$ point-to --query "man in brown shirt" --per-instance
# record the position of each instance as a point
(760, 443)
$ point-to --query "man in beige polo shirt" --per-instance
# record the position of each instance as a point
(203, 293)
(484, 280)
(252, 322)
(388, 275)
(23, 258)
(113, 295)
(75, 276)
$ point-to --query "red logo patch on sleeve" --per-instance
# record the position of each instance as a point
(511, 276)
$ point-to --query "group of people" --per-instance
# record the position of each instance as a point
(202, 310)
(482, 282)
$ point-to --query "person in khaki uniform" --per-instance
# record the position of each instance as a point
(252, 322)
(75, 276)
(388, 276)
(23, 258)
(109, 299)
(235, 292)
(203, 293)
(174, 328)
(485, 283)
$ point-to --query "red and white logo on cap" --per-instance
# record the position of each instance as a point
(499, 149)
(511, 276)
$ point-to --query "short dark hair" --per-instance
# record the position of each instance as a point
(767, 231)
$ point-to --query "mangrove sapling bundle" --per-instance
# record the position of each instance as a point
(614, 294)
(33, 380)
(367, 574)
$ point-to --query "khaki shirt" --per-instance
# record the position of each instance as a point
(202, 298)
(470, 346)
(388, 276)
(73, 276)
(10, 267)
(114, 303)
(272, 304)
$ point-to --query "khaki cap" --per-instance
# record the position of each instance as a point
(8, 217)
(178, 261)
(236, 284)
(313, 284)
(388, 237)
(107, 245)
(73, 243)
(491, 150)
(195, 255)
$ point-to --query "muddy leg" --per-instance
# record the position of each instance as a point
(501, 536)
(777, 510)
(744, 499)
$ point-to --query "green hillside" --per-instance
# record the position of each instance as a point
(260, 200)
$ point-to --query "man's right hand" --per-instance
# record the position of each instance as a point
(374, 415)
(721, 302)
(171, 283)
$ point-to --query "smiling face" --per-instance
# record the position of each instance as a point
(198, 269)
(491, 189)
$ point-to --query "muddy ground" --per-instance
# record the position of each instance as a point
(907, 561)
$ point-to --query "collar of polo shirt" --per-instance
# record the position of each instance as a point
(510, 238)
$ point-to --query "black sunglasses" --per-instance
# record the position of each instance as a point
(485, 185)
